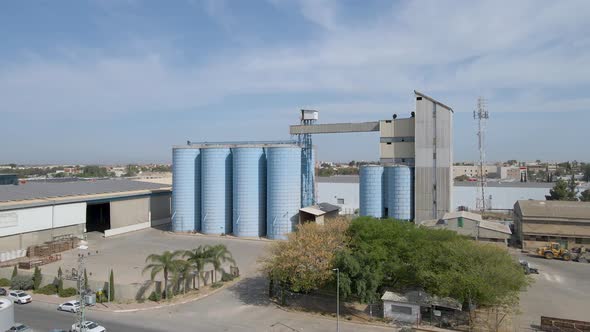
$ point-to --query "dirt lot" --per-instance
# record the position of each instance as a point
(126, 253)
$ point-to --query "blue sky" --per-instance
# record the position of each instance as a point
(123, 81)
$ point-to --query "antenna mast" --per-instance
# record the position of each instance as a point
(481, 115)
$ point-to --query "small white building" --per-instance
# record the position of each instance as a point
(472, 225)
(397, 308)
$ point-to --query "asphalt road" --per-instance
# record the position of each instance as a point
(242, 307)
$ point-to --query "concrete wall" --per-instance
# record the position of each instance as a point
(24, 240)
(388, 313)
(129, 212)
(330, 192)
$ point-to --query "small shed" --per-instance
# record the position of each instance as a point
(398, 308)
(318, 213)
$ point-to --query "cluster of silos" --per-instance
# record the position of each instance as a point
(387, 191)
(248, 190)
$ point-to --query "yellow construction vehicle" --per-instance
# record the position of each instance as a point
(554, 250)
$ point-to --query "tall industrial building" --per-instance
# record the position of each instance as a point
(424, 141)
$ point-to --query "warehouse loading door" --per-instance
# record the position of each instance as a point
(98, 217)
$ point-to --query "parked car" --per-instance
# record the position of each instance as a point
(71, 306)
(90, 327)
(19, 327)
(18, 296)
(3, 291)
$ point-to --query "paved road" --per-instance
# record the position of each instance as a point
(561, 289)
(242, 307)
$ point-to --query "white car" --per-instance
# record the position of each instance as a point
(71, 306)
(18, 296)
(90, 327)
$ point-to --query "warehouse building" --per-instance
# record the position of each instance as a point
(37, 212)
(565, 222)
(472, 225)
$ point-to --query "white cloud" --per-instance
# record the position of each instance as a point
(452, 52)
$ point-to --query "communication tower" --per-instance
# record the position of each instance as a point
(481, 115)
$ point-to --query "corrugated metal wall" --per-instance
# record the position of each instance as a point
(186, 183)
(371, 191)
(283, 190)
(216, 191)
(249, 191)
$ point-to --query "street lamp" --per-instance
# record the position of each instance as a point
(337, 298)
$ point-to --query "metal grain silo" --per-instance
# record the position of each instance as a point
(186, 190)
(283, 190)
(399, 192)
(249, 191)
(371, 191)
(216, 188)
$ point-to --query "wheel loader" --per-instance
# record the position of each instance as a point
(554, 250)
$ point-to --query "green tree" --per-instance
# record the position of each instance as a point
(585, 195)
(198, 257)
(219, 254)
(561, 192)
(112, 286)
(164, 264)
(586, 170)
(181, 273)
(37, 278)
(14, 272)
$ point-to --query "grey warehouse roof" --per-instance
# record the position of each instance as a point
(570, 210)
(42, 190)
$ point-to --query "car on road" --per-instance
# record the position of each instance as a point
(19, 327)
(71, 306)
(90, 327)
(3, 291)
(18, 296)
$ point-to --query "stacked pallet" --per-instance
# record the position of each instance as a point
(52, 247)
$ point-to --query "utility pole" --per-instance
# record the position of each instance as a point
(337, 299)
(481, 115)
(81, 318)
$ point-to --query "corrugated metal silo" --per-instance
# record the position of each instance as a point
(249, 191)
(399, 192)
(371, 191)
(216, 191)
(283, 190)
(186, 190)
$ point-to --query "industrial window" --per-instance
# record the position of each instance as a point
(401, 309)
(460, 222)
(388, 143)
(340, 200)
(434, 155)
(418, 98)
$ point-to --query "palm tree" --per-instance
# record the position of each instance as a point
(219, 254)
(162, 263)
(198, 257)
(181, 271)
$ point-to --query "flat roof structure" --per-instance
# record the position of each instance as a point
(554, 210)
(31, 194)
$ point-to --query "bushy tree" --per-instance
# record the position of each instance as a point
(585, 195)
(22, 282)
(561, 192)
(37, 278)
(398, 255)
(304, 262)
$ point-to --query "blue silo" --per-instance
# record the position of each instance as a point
(216, 187)
(186, 190)
(249, 191)
(399, 192)
(371, 191)
(283, 190)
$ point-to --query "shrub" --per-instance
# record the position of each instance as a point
(155, 296)
(22, 282)
(5, 282)
(50, 289)
(225, 277)
(60, 285)
(14, 272)
(68, 292)
(216, 284)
